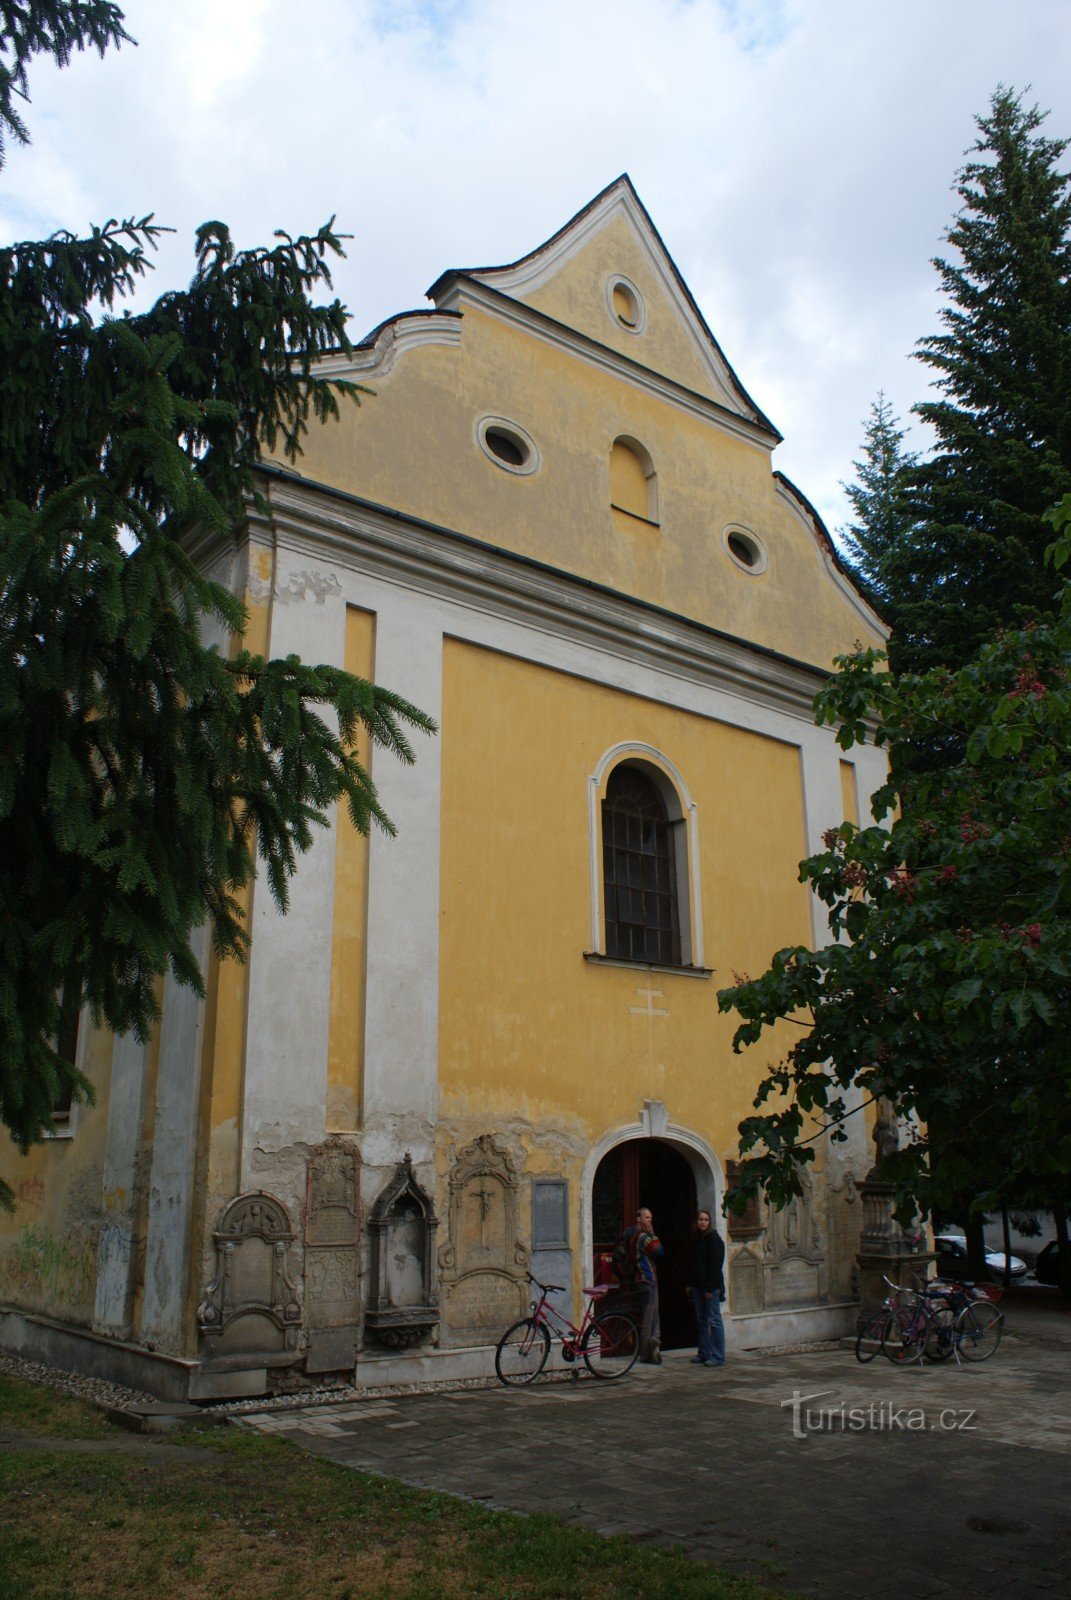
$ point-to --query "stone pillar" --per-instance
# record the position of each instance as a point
(886, 1250)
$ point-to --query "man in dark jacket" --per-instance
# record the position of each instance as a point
(644, 1248)
(707, 1285)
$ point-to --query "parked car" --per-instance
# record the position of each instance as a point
(1047, 1265)
(952, 1259)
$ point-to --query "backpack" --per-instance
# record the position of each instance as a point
(623, 1261)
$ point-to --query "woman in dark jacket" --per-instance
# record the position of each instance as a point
(707, 1285)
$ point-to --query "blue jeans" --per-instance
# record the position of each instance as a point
(711, 1328)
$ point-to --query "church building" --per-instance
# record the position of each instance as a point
(470, 1052)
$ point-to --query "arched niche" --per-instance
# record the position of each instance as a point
(633, 480)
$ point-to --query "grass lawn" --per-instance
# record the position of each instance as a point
(88, 1510)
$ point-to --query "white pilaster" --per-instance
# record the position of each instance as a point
(400, 1100)
(115, 1246)
(174, 1155)
(285, 1081)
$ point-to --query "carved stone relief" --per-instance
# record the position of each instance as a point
(746, 1293)
(249, 1314)
(795, 1259)
(403, 1300)
(483, 1263)
(332, 1235)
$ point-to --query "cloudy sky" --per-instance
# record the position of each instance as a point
(798, 156)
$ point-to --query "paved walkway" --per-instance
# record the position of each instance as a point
(938, 1480)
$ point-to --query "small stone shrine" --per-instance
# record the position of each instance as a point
(403, 1306)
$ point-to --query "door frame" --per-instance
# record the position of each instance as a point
(706, 1169)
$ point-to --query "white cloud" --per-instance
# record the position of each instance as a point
(797, 155)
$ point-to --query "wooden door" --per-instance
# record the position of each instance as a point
(647, 1172)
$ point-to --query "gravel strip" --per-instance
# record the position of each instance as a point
(95, 1390)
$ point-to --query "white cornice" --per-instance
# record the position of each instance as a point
(363, 538)
(515, 314)
(405, 332)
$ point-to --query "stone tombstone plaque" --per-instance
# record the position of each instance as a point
(249, 1313)
(403, 1301)
(793, 1282)
(332, 1267)
(795, 1260)
(746, 1296)
(331, 1208)
(484, 1263)
(552, 1259)
(550, 1214)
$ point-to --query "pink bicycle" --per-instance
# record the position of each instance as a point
(608, 1339)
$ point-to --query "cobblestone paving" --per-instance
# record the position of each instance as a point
(942, 1480)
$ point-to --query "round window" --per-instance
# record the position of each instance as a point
(745, 550)
(626, 304)
(507, 445)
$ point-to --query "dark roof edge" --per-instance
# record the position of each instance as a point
(758, 415)
(285, 475)
(398, 316)
(825, 538)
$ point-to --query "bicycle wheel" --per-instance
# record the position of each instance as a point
(522, 1352)
(979, 1327)
(868, 1343)
(903, 1336)
(940, 1338)
(611, 1345)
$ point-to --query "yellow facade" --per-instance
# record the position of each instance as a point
(557, 528)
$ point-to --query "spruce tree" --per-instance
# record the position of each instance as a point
(880, 501)
(142, 771)
(974, 563)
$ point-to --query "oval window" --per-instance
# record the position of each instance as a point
(745, 550)
(507, 445)
(626, 304)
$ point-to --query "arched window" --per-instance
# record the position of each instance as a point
(639, 871)
(633, 480)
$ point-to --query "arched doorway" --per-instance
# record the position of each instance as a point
(650, 1172)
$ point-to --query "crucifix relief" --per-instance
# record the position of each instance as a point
(484, 1198)
(648, 1009)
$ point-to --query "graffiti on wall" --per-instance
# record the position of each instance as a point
(31, 1192)
(54, 1271)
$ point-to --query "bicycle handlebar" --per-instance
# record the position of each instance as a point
(547, 1288)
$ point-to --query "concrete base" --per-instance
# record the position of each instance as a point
(764, 1330)
(791, 1325)
(170, 1378)
(424, 1366)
